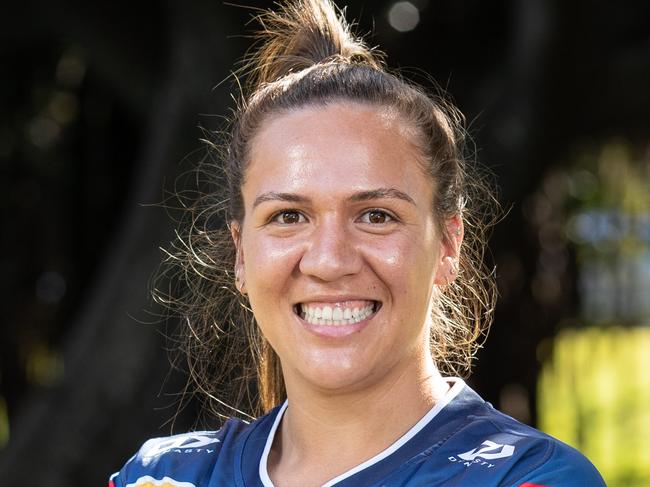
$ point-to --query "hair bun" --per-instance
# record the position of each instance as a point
(300, 34)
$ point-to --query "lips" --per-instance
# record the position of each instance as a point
(338, 313)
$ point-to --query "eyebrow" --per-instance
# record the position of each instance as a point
(275, 196)
(373, 194)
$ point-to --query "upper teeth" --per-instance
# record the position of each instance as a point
(335, 315)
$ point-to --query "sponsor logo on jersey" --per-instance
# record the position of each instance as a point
(148, 481)
(481, 455)
(191, 443)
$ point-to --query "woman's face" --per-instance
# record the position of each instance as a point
(339, 249)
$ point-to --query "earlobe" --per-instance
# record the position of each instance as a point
(240, 273)
(447, 271)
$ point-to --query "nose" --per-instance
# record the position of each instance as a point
(330, 252)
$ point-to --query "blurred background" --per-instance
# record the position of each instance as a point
(102, 105)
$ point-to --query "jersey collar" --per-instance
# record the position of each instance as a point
(430, 431)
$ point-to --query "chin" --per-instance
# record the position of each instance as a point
(337, 375)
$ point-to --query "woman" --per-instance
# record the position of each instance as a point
(353, 243)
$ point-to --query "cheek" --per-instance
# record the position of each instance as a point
(269, 265)
(407, 263)
(269, 262)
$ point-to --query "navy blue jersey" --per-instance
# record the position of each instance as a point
(463, 441)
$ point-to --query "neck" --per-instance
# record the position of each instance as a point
(334, 432)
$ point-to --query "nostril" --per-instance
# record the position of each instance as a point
(330, 262)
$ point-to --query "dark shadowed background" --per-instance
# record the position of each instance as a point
(101, 102)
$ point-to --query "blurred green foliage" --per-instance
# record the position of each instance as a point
(594, 394)
(594, 388)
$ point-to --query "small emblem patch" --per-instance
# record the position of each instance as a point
(148, 481)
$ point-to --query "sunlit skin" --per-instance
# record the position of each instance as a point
(338, 212)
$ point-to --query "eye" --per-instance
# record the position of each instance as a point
(288, 217)
(376, 217)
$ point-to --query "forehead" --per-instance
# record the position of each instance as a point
(337, 147)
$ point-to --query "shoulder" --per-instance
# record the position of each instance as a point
(494, 445)
(184, 460)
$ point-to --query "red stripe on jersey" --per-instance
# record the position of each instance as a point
(112, 484)
(528, 484)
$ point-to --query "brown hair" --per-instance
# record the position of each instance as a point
(307, 56)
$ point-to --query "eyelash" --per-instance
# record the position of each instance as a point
(388, 216)
(276, 216)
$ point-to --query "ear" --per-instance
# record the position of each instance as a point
(450, 251)
(240, 272)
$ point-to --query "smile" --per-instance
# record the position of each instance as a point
(337, 314)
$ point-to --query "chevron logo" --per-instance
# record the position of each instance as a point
(488, 450)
